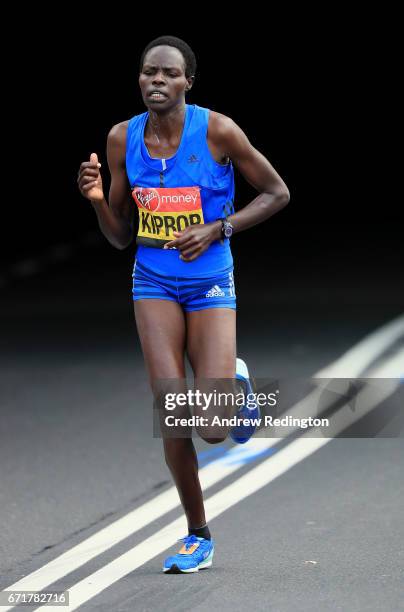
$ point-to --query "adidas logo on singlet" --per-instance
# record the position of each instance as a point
(215, 292)
(192, 158)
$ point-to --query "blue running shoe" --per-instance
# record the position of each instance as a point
(242, 433)
(195, 554)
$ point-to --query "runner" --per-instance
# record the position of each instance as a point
(174, 163)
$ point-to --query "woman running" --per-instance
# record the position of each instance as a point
(174, 162)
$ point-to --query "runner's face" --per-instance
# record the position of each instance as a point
(164, 71)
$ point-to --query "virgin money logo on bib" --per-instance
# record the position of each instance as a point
(147, 198)
(164, 210)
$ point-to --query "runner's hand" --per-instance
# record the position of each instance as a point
(89, 179)
(193, 240)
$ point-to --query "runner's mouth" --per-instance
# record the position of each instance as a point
(157, 95)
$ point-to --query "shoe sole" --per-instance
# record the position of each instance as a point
(243, 375)
(174, 569)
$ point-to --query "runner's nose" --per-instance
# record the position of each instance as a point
(158, 79)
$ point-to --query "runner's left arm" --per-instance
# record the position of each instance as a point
(257, 171)
(231, 141)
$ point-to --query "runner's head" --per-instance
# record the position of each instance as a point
(167, 65)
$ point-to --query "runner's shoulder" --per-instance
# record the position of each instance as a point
(117, 134)
(220, 126)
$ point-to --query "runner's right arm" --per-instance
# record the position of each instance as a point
(116, 217)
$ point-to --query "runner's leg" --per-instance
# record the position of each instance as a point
(161, 328)
(211, 348)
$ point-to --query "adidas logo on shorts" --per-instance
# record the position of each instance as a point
(215, 292)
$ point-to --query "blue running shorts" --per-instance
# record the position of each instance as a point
(196, 293)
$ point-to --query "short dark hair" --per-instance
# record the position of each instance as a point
(181, 45)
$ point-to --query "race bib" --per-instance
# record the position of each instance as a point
(164, 210)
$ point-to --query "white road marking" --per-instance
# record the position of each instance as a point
(360, 356)
(353, 361)
(351, 364)
(127, 525)
(237, 491)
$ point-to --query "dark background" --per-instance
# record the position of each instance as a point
(314, 92)
(306, 93)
